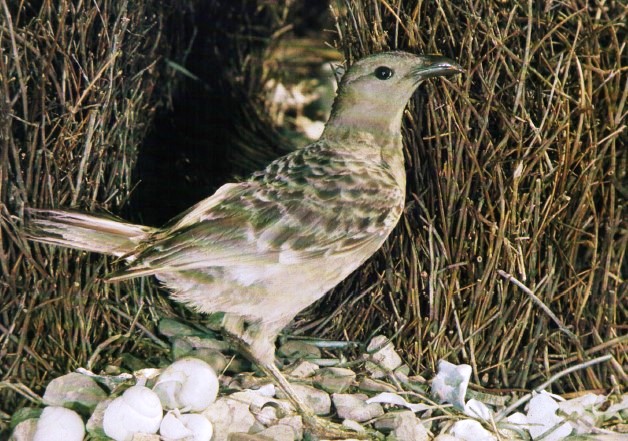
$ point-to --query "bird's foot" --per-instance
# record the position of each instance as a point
(258, 350)
(327, 430)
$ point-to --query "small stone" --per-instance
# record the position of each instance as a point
(318, 400)
(246, 437)
(267, 415)
(387, 422)
(258, 399)
(403, 426)
(303, 369)
(212, 357)
(247, 380)
(207, 343)
(298, 349)
(24, 431)
(74, 389)
(384, 360)
(250, 397)
(174, 328)
(267, 390)
(334, 380)
(229, 415)
(295, 422)
(353, 425)
(354, 407)
(279, 432)
(368, 384)
(417, 383)
(401, 377)
(181, 347)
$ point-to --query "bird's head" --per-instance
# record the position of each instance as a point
(375, 90)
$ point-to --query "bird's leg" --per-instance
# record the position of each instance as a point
(260, 349)
(317, 425)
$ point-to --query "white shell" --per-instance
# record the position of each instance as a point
(59, 424)
(188, 384)
(137, 410)
(471, 430)
(188, 427)
(451, 382)
(172, 428)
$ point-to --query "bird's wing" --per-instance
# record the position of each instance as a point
(271, 220)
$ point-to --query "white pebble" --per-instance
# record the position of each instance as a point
(188, 384)
(188, 427)
(137, 410)
(59, 424)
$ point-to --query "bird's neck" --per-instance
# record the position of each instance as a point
(349, 119)
(352, 132)
(379, 144)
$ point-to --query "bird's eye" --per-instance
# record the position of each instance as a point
(384, 73)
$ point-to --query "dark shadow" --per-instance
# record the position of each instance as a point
(214, 131)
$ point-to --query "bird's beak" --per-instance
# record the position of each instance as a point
(435, 66)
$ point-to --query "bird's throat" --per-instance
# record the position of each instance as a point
(384, 147)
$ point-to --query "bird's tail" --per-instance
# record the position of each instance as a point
(96, 233)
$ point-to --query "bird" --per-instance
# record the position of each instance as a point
(263, 249)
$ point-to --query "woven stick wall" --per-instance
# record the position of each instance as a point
(516, 170)
(79, 85)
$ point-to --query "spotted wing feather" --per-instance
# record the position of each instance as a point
(286, 214)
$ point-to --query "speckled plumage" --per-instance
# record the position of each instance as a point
(268, 247)
(264, 249)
